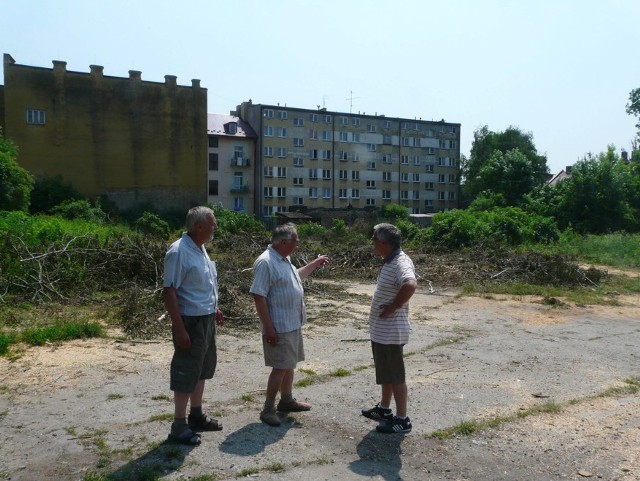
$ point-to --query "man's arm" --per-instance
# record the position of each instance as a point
(319, 261)
(263, 313)
(407, 289)
(171, 305)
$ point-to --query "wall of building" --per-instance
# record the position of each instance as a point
(132, 140)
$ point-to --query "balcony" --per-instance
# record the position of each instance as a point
(239, 188)
(240, 162)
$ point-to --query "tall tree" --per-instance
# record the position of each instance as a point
(15, 182)
(493, 151)
(633, 108)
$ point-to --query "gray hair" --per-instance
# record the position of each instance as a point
(388, 233)
(283, 231)
(197, 214)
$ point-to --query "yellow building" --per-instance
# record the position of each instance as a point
(320, 159)
(133, 141)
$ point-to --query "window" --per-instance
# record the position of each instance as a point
(281, 172)
(371, 165)
(430, 150)
(297, 201)
(213, 161)
(386, 176)
(213, 142)
(238, 181)
(268, 192)
(416, 142)
(355, 156)
(326, 135)
(267, 113)
(452, 144)
(386, 194)
(387, 124)
(404, 177)
(416, 195)
(313, 154)
(213, 187)
(298, 122)
(343, 174)
(452, 196)
(232, 128)
(281, 151)
(452, 178)
(268, 151)
(404, 195)
(313, 134)
(386, 140)
(416, 160)
(386, 159)
(404, 159)
(429, 186)
(430, 133)
(441, 179)
(282, 115)
(371, 147)
(238, 203)
(268, 171)
(298, 142)
(355, 137)
(313, 174)
(441, 195)
(428, 168)
(428, 203)
(327, 119)
(371, 202)
(416, 177)
(325, 154)
(326, 193)
(342, 193)
(298, 162)
(281, 192)
(268, 131)
(313, 192)
(355, 193)
(405, 125)
(282, 132)
(355, 121)
(371, 128)
(344, 120)
(343, 155)
(371, 184)
(326, 174)
(313, 117)
(355, 175)
(298, 181)
(342, 137)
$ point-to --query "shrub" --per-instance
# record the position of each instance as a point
(79, 209)
(151, 224)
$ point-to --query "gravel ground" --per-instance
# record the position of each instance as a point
(102, 406)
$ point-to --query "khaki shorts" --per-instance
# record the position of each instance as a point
(288, 351)
(189, 366)
(389, 363)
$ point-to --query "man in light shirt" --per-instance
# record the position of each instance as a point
(389, 328)
(279, 296)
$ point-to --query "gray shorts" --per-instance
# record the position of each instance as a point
(389, 363)
(288, 351)
(189, 366)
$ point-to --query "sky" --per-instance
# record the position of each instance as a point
(561, 70)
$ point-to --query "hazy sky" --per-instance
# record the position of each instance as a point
(561, 70)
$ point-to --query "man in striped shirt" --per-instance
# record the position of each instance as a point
(389, 328)
(279, 297)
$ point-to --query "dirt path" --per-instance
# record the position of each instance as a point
(104, 406)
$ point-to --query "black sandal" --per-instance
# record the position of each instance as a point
(186, 436)
(204, 423)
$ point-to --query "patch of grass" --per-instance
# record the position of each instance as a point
(92, 476)
(304, 382)
(247, 472)
(247, 397)
(39, 336)
(276, 467)
(4, 413)
(161, 417)
(161, 397)
(309, 372)
(361, 367)
(113, 397)
(71, 431)
(340, 372)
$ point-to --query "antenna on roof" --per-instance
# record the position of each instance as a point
(350, 99)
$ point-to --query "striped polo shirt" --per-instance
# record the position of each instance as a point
(397, 269)
(276, 279)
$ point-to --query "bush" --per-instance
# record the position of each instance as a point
(50, 191)
(393, 212)
(153, 225)
(79, 209)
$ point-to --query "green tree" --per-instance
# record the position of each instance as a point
(633, 108)
(15, 182)
(480, 169)
(50, 191)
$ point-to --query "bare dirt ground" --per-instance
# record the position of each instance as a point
(103, 405)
